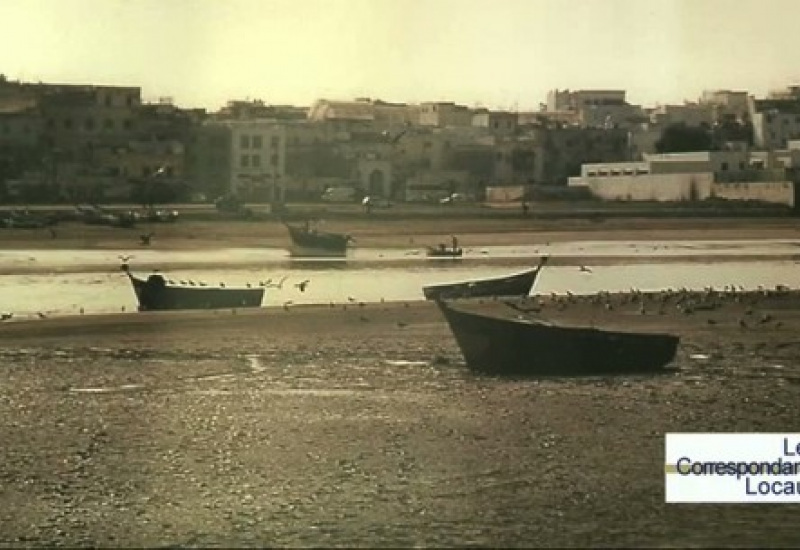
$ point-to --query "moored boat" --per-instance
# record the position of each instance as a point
(518, 284)
(524, 346)
(156, 293)
(308, 241)
(444, 251)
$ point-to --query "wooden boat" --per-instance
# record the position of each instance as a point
(156, 294)
(308, 241)
(519, 284)
(443, 251)
(517, 346)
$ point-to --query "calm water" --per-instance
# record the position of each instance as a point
(62, 282)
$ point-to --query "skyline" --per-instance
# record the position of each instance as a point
(504, 54)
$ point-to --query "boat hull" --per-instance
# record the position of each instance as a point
(154, 294)
(444, 252)
(519, 284)
(317, 242)
(527, 347)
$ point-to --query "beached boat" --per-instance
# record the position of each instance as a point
(444, 251)
(308, 241)
(518, 284)
(156, 293)
(525, 346)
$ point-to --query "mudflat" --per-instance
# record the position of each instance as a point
(360, 425)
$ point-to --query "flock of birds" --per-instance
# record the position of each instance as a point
(682, 301)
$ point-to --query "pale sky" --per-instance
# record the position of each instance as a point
(496, 53)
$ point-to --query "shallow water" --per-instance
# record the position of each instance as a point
(36, 259)
(64, 282)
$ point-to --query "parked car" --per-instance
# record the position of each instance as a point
(456, 197)
(339, 194)
(374, 201)
(165, 216)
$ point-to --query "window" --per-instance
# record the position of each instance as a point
(108, 124)
(256, 160)
(245, 160)
(273, 160)
(276, 141)
(244, 142)
(257, 142)
(724, 166)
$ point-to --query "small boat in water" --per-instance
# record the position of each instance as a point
(524, 346)
(308, 241)
(518, 284)
(444, 251)
(157, 293)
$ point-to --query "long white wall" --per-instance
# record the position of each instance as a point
(779, 192)
(684, 187)
(650, 187)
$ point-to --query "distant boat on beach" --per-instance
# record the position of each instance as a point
(518, 284)
(444, 251)
(156, 293)
(309, 241)
(523, 346)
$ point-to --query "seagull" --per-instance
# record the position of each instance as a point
(584, 269)
(125, 258)
(302, 285)
(286, 305)
(351, 299)
(6, 316)
(41, 315)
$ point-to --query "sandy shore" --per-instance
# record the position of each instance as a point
(361, 426)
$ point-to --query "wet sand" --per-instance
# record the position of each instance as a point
(361, 426)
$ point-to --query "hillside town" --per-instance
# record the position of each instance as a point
(71, 143)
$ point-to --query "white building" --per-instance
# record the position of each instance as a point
(732, 175)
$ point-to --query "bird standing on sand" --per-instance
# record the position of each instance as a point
(302, 285)
(6, 316)
(584, 269)
(41, 315)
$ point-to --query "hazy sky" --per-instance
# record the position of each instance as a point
(498, 53)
